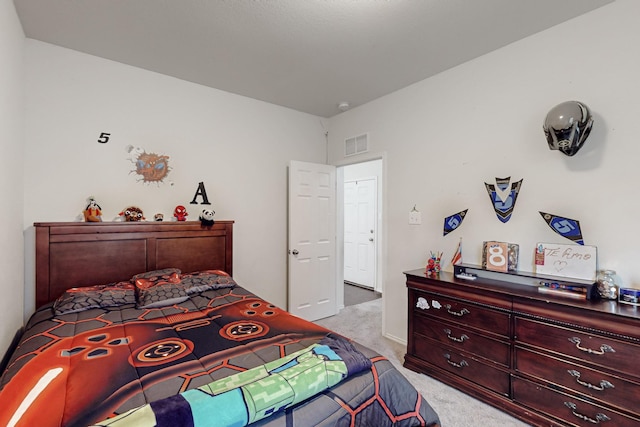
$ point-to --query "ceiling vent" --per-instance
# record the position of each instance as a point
(356, 145)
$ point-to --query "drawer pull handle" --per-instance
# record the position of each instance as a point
(461, 339)
(460, 365)
(600, 417)
(457, 313)
(604, 384)
(604, 348)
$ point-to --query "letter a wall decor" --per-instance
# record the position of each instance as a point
(503, 196)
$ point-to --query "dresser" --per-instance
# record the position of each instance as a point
(545, 359)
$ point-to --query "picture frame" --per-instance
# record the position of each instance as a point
(500, 256)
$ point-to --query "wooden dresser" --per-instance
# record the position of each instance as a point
(545, 359)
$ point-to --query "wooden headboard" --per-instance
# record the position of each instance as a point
(72, 254)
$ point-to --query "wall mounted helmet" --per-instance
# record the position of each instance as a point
(567, 127)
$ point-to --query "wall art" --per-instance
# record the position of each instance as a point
(150, 167)
(503, 196)
(566, 227)
(453, 222)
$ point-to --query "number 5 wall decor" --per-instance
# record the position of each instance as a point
(453, 222)
(566, 227)
(503, 196)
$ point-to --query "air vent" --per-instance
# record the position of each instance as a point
(356, 145)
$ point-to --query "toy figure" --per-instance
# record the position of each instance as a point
(180, 213)
(433, 263)
(132, 213)
(206, 217)
(93, 212)
(158, 217)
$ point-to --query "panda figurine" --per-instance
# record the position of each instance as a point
(206, 217)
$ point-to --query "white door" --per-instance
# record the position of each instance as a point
(312, 240)
(360, 202)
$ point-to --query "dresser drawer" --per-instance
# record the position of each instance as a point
(462, 364)
(606, 352)
(608, 389)
(462, 338)
(462, 312)
(571, 410)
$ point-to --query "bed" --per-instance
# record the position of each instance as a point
(143, 324)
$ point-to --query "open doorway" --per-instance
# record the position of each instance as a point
(360, 229)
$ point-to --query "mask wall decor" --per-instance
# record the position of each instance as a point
(567, 127)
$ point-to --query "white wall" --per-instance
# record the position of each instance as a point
(446, 136)
(238, 147)
(11, 158)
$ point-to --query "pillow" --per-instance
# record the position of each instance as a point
(156, 274)
(157, 292)
(101, 296)
(205, 280)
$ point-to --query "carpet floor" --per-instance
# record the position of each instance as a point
(363, 323)
(356, 295)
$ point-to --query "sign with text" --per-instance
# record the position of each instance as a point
(575, 261)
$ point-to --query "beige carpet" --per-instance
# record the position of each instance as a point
(363, 323)
(354, 295)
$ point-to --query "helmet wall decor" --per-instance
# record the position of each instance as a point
(567, 127)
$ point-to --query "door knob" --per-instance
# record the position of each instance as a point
(371, 239)
(295, 252)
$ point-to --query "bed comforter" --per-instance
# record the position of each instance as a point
(82, 368)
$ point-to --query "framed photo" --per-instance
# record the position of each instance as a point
(500, 256)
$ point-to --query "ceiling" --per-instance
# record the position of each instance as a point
(308, 55)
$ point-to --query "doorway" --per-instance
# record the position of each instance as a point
(360, 222)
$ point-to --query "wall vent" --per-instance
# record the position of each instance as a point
(356, 145)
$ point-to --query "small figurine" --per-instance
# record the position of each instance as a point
(158, 217)
(180, 213)
(93, 211)
(433, 263)
(206, 217)
(132, 213)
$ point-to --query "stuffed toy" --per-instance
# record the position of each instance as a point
(206, 217)
(158, 217)
(93, 211)
(180, 213)
(132, 213)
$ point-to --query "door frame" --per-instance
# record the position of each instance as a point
(381, 250)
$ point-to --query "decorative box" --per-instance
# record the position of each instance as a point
(629, 296)
(500, 256)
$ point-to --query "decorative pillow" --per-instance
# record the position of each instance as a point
(157, 292)
(100, 296)
(156, 274)
(205, 280)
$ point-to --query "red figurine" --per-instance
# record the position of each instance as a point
(180, 213)
(433, 263)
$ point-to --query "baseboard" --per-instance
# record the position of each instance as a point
(10, 350)
(358, 285)
(396, 339)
